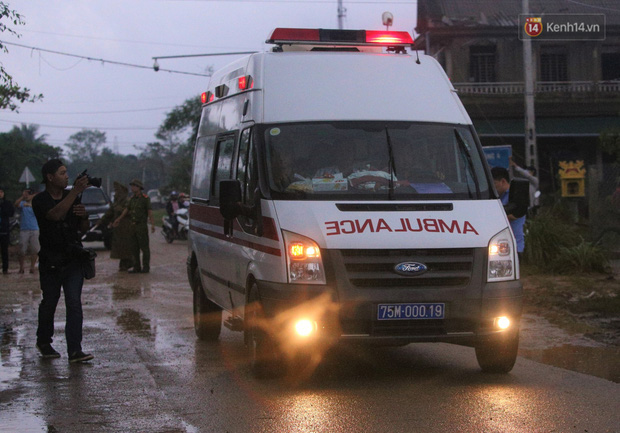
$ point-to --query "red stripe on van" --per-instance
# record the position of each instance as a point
(212, 215)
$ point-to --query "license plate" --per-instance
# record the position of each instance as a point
(411, 311)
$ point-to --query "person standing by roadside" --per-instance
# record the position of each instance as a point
(530, 175)
(501, 179)
(6, 212)
(28, 231)
(61, 217)
(122, 235)
(139, 211)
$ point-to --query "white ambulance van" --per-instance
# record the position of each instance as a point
(340, 194)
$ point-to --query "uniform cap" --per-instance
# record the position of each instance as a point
(136, 182)
(120, 186)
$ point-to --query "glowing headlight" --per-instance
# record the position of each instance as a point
(303, 259)
(502, 322)
(501, 264)
(304, 327)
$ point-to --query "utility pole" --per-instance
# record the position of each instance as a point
(341, 14)
(531, 150)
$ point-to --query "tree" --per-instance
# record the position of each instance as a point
(10, 92)
(169, 161)
(86, 145)
(29, 133)
(19, 151)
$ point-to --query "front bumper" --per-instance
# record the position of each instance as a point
(467, 320)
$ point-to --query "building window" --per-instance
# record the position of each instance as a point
(610, 66)
(482, 64)
(553, 67)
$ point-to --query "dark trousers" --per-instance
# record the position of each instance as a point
(70, 279)
(141, 243)
(4, 250)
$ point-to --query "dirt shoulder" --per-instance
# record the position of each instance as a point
(583, 306)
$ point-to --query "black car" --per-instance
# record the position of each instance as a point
(96, 202)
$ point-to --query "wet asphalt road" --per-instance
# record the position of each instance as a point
(150, 374)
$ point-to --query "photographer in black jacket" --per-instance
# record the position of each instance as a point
(61, 216)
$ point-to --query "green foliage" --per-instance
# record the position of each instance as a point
(10, 92)
(20, 148)
(584, 257)
(553, 244)
(609, 142)
(86, 145)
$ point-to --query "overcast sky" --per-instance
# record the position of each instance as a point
(130, 103)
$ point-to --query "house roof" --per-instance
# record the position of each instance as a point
(505, 13)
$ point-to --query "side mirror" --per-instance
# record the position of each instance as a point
(518, 198)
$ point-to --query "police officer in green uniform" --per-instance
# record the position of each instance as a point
(139, 210)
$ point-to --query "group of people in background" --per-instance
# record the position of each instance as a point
(29, 230)
(128, 216)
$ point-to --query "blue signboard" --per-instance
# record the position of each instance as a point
(498, 156)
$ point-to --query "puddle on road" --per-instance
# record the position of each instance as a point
(135, 323)
(595, 361)
(11, 357)
(24, 423)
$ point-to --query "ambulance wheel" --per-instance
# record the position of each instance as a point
(265, 358)
(207, 315)
(498, 355)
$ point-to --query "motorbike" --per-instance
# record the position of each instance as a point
(182, 217)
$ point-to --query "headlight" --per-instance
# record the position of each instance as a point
(303, 259)
(501, 255)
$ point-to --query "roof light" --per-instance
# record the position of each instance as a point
(340, 37)
(207, 97)
(388, 38)
(246, 82)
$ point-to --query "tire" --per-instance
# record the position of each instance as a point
(266, 360)
(207, 315)
(498, 355)
(168, 236)
(14, 235)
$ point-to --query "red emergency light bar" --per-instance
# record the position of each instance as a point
(246, 82)
(207, 97)
(340, 37)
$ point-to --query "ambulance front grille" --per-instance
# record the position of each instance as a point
(375, 268)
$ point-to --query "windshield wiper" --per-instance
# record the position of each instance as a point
(391, 167)
(465, 149)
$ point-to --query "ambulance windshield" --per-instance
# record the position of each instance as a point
(351, 161)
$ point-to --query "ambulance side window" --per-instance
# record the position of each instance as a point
(242, 161)
(222, 164)
(247, 175)
(203, 158)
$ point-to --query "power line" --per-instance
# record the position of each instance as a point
(112, 62)
(25, 113)
(103, 128)
(98, 38)
(303, 1)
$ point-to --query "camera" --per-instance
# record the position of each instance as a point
(94, 181)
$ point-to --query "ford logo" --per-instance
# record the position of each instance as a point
(410, 269)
